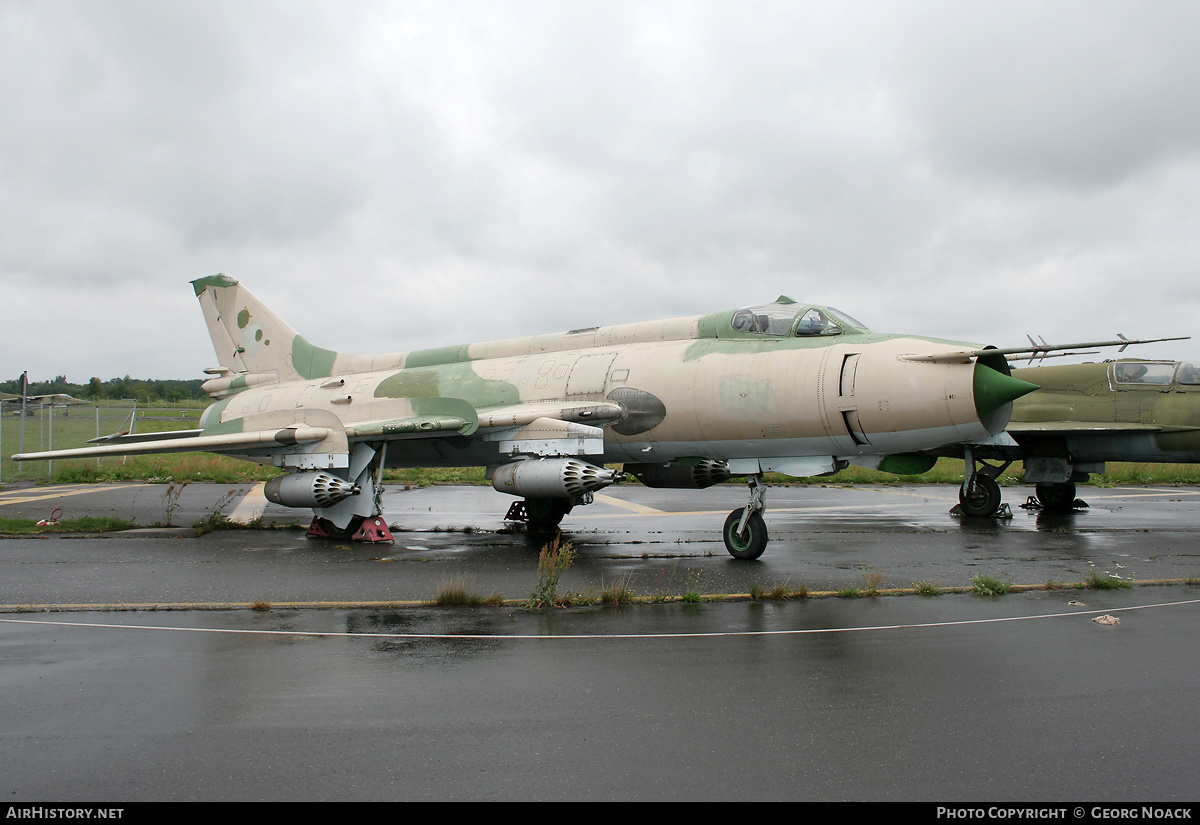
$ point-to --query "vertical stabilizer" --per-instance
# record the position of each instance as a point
(250, 338)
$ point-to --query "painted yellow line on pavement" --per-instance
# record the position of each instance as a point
(640, 509)
(15, 497)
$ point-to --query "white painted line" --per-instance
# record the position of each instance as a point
(1153, 493)
(586, 636)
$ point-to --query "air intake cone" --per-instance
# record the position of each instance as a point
(994, 389)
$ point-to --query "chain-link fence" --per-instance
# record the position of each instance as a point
(47, 425)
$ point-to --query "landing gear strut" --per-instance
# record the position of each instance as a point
(980, 494)
(356, 516)
(745, 532)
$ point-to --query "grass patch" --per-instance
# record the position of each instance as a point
(926, 588)
(850, 592)
(778, 592)
(1104, 580)
(163, 469)
(989, 585)
(425, 477)
(83, 524)
(455, 593)
(618, 593)
(1127, 472)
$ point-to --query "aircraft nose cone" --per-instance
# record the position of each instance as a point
(994, 389)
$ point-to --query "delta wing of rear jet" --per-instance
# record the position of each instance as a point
(686, 402)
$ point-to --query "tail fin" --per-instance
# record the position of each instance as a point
(250, 338)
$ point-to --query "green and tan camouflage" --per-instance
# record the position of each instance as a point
(787, 387)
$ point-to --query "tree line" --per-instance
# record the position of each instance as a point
(143, 389)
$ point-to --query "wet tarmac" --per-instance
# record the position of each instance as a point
(955, 698)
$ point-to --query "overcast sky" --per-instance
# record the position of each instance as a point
(398, 175)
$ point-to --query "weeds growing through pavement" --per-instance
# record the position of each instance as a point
(171, 501)
(871, 580)
(217, 520)
(554, 558)
(1104, 580)
(454, 593)
(989, 585)
(618, 593)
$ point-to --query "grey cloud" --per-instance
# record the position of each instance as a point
(390, 176)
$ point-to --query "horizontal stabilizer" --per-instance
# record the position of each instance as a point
(133, 438)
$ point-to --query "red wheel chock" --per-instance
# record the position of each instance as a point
(374, 530)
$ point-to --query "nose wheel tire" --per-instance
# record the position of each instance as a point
(982, 499)
(753, 540)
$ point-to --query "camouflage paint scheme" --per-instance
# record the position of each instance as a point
(669, 389)
(783, 387)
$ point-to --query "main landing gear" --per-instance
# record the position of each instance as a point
(980, 494)
(343, 507)
(1056, 497)
(745, 532)
(540, 514)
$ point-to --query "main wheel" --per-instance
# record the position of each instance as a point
(1056, 498)
(750, 544)
(983, 499)
(545, 513)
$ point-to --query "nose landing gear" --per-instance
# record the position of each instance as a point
(745, 532)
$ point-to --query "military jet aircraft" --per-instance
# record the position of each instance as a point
(1083, 416)
(32, 403)
(685, 402)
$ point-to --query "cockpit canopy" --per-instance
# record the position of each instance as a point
(1160, 373)
(784, 317)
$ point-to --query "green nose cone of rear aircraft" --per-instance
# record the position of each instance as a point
(994, 389)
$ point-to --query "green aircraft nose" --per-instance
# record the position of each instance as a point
(994, 389)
